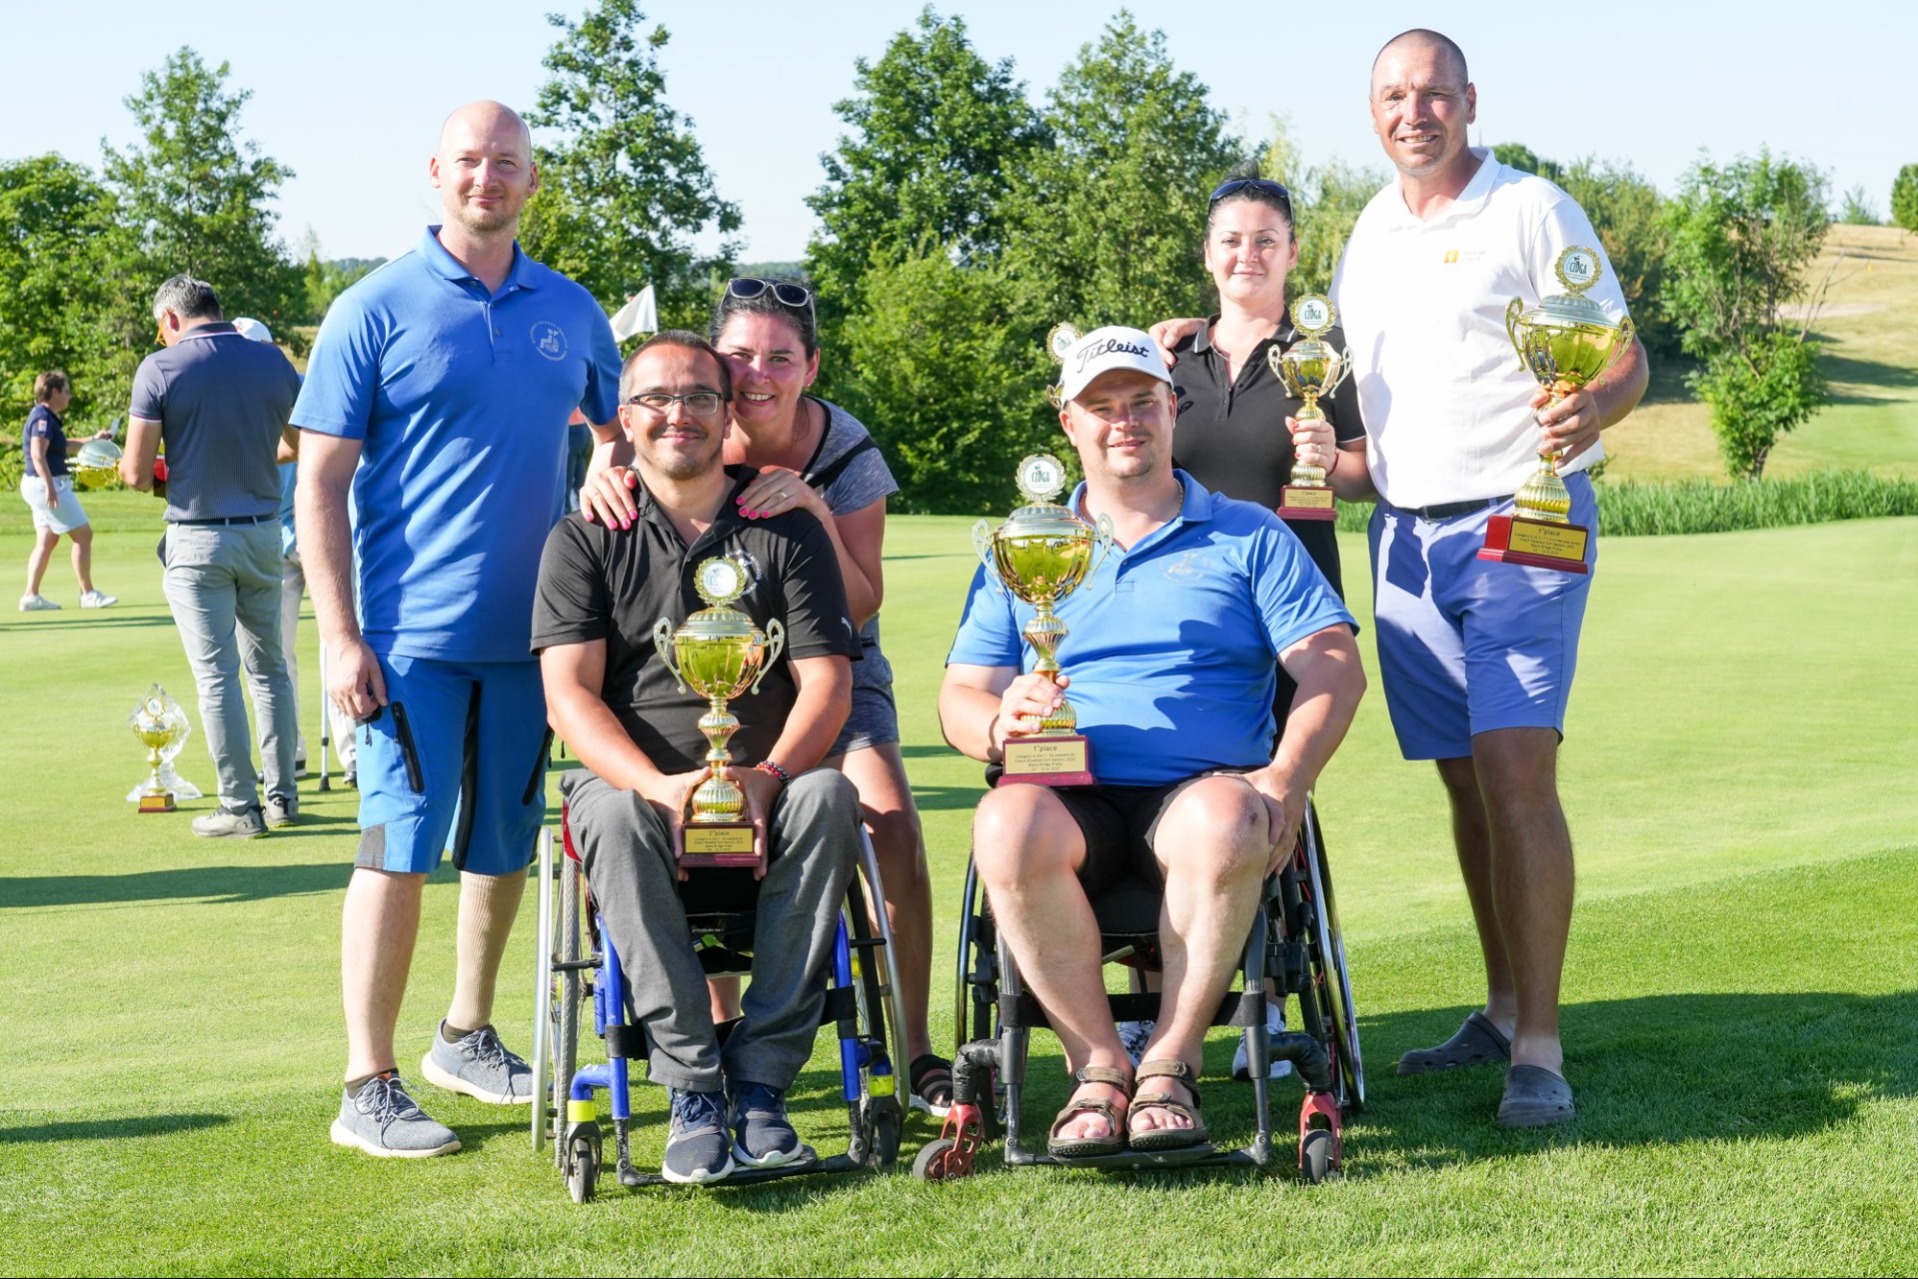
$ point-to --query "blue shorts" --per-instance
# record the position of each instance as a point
(1469, 645)
(455, 761)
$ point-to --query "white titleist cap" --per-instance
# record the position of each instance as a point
(1102, 351)
(251, 329)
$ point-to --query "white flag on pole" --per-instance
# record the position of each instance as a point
(639, 315)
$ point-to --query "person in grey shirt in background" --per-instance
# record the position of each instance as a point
(221, 404)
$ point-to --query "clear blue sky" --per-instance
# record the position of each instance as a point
(350, 93)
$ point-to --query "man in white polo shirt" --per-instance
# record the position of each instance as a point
(1477, 657)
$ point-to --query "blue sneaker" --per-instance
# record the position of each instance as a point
(697, 1151)
(382, 1120)
(479, 1066)
(762, 1137)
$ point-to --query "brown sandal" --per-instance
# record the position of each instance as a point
(1167, 1138)
(1083, 1147)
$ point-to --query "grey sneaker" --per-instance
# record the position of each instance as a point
(762, 1137)
(282, 812)
(1134, 1036)
(36, 603)
(479, 1066)
(382, 1120)
(1274, 1025)
(225, 825)
(697, 1151)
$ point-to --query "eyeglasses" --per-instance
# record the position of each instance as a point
(1264, 186)
(746, 288)
(698, 403)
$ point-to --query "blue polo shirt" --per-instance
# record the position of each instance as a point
(44, 423)
(460, 397)
(1173, 644)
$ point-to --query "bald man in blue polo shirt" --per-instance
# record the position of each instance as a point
(1172, 654)
(437, 400)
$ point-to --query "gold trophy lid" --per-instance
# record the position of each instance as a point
(1313, 315)
(720, 581)
(1041, 478)
(1059, 340)
(1577, 269)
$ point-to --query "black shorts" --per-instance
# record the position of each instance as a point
(1119, 824)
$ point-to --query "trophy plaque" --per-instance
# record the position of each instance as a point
(1041, 554)
(1308, 369)
(1566, 341)
(720, 655)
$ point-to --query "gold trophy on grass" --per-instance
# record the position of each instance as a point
(1566, 341)
(155, 728)
(720, 654)
(1041, 554)
(1308, 369)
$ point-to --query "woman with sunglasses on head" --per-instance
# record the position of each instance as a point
(814, 455)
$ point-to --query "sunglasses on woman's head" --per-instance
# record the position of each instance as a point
(1264, 186)
(746, 288)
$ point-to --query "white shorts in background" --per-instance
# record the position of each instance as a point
(66, 517)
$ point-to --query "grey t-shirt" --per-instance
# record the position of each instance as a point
(221, 401)
(861, 481)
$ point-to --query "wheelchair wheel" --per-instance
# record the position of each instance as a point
(566, 999)
(543, 996)
(1315, 1157)
(885, 1125)
(582, 1164)
(933, 1160)
(1333, 975)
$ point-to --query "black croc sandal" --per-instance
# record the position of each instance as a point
(929, 1084)
(1167, 1138)
(1476, 1043)
(1083, 1147)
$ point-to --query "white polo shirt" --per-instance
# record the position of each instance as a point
(1445, 399)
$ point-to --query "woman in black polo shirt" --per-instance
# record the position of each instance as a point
(1231, 434)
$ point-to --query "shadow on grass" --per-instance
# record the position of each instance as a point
(91, 619)
(108, 1128)
(226, 883)
(1864, 377)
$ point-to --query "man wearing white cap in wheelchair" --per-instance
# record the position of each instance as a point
(1171, 654)
(612, 698)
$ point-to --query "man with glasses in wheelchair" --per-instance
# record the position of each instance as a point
(617, 704)
(1172, 647)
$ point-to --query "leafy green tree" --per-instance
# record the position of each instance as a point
(935, 133)
(1520, 156)
(1627, 212)
(624, 188)
(1857, 209)
(1108, 220)
(325, 280)
(198, 199)
(1904, 198)
(73, 299)
(1326, 202)
(1742, 236)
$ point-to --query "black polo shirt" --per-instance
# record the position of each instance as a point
(1231, 437)
(597, 583)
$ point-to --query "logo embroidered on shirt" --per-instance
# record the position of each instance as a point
(1190, 565)
(549, 340)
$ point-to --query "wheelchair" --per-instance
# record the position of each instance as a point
(578, 968)
(1294, 940)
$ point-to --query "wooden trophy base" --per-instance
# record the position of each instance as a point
(725, 844)
(1047, 760)
(1515, 539)
(1307, 502)
(161, 803)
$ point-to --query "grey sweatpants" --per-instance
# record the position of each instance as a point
(631, 865)
(223, 585)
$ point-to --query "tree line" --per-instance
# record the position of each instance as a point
(959, 219)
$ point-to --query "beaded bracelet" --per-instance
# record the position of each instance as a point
(770, 766)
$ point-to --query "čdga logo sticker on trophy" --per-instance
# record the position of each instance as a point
(1041, 554)
(1566, 341)
(1309, 369)
(720, 654)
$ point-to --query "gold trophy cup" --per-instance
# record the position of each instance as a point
(1041, 554)
(720, 655)
(96, 465)
(1308, 369)
(154, 727)
(1566, 341)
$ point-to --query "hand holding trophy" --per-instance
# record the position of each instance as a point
(721, 655)
(1565, 341)
(1309, 369)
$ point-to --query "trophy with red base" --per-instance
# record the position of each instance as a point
(1566, 341)
(1309, 368)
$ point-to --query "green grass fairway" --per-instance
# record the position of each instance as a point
(1740, 1013)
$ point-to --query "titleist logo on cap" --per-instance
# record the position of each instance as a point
(1105, 346)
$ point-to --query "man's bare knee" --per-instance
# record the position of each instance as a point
(1021, 832)
(1213, 830)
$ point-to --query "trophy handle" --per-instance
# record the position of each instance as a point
(1343, 361)
(663, 641)
(1104, 541)
(775, 645)
(1626, 334)
(1513, 310)
(982, 545)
